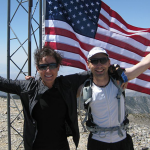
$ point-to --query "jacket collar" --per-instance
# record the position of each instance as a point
(42, 88)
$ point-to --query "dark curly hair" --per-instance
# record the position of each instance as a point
(46, 51)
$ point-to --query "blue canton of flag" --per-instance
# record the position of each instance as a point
(81, 15)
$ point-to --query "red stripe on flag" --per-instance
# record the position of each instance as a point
(113, 14)
(72, 49)
(138, 88)
(144, 77)
(120, 44)
(73, 63)
(66, 33)
(121, 58)
(67, 48)
(138, 38)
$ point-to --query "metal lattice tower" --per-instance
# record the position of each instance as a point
(19, 55)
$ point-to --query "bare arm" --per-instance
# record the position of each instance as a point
(139, 68)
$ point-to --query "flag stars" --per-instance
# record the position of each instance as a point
(90, 18)
(91, 11)
(71, 2)
(69, 18)
(86, 5)
(94, 17)
(82, 28)
(65, 4)
(97, 3)
(65, 12)
(84, 19)
(74, 16)
(55, 8)
(85, 12)
(50, 12)
(96, 9)
(76, 8)
(92, 4)
(78, 22)
(80, 13)
(60, 13)
(50, 2)
(92, 31)
(60, 5)
(70, 10)
(81, 6)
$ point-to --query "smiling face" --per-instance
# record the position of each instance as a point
(99, 70)
(49, 75)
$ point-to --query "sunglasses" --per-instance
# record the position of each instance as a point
(102, 60)
(44, 66)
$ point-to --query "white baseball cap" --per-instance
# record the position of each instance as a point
(96, 50)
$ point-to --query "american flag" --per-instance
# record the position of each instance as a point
(73, 27)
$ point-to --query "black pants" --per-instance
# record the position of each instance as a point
(65, 147)
(126, 144)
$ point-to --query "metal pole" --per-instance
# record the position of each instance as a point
(8, 73)
(29, 35)
(40, 24)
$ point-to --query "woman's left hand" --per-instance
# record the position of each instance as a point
(28, 77)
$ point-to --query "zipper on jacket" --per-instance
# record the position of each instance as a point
(36, 131)
(34, 124)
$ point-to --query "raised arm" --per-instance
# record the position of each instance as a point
(139, 68)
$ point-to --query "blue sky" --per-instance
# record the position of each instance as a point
(134, 12)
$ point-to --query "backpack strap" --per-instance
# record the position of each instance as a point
(120, 92)
(86, 97)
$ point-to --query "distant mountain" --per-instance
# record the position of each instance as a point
(3, 94)
(132, 93)
(138, 104)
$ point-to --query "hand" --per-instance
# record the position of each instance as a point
(116, 72)
(28, 77)
(124, 85)
(113, 68)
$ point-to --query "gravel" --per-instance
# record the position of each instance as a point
(139, 128)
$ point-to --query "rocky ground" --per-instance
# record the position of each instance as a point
(139, 129)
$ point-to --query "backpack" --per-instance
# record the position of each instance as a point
(88, 120)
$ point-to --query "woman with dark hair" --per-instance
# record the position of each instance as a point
(49, 103)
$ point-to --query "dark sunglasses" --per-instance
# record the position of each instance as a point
(102, 60)
(44, 66)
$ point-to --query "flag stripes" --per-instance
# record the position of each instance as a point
(125, 44)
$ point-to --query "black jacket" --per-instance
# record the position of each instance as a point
(30, 92)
